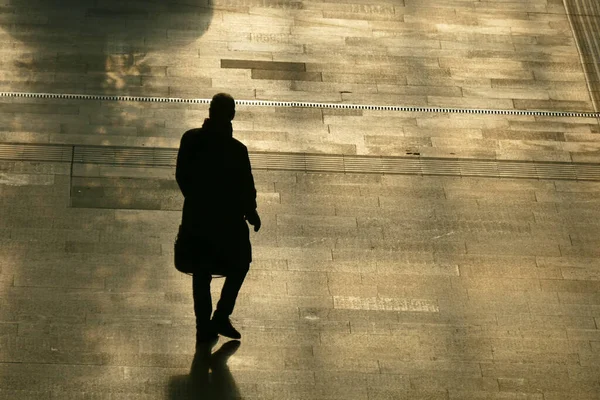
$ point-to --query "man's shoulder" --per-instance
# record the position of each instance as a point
(199, 135)
(238, 145)
(191, 137)
(192, 133)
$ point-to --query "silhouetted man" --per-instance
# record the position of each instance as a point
(215, 177)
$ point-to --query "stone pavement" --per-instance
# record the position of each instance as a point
(364, 286)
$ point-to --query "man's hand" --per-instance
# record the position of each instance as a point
(254, 220)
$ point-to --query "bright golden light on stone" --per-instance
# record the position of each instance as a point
(459, 260)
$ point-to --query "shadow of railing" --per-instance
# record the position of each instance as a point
(160, 157)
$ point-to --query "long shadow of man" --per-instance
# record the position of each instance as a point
(209, 378)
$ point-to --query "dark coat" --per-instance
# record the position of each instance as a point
(215, 178)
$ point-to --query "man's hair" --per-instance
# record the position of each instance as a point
(222, 107)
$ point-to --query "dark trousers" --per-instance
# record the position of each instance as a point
(203, 299)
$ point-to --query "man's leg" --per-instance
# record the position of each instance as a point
(229, 293)
(202, 306)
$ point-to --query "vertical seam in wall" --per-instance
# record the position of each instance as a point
(581, 58)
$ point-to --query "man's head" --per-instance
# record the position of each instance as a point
(222, 108)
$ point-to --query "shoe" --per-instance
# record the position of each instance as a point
(223, 326)
(205, 344)
(207, 337)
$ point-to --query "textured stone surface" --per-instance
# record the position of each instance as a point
(364, 286)
(447, 54)
(449, 295)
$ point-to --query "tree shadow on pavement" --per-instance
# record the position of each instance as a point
(95, 47)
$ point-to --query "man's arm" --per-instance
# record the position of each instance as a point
(249, 194)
